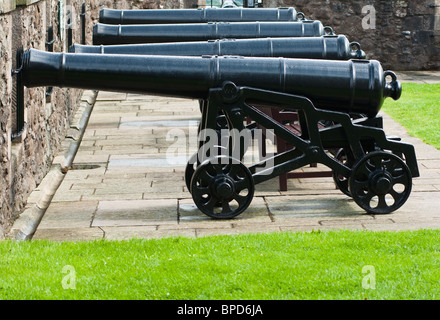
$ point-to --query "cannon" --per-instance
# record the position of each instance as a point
(201, 15)
(331, 47)
(221, 186)
(106, 34)
(336, 47)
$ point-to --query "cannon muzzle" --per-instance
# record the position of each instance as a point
(335, 47)
(155, 33)
(353, 86)
(202, 15)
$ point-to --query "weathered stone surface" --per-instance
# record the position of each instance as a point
(135, 212)
(401, 37)
(69, 215)
(69, 234)
(7, 6)
(24, 162)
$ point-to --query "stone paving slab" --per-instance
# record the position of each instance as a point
(419, 76)
(121, 186)
(135, 213)
(73, 214)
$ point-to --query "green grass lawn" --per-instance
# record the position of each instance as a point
(313, 265)
(418, 110)
(310, 265)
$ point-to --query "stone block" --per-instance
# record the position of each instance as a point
(257, 212)
(69, 215)
(144, 232)
(69, 234)
(318, 206)
(111, 96)
(26, 2)
(135, 212)
(413, 23)
(7, 6)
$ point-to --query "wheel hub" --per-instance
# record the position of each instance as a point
(223, 187)
(381, 182)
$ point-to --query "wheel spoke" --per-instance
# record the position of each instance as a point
(205, 177)
(241, 185)
(376, 163)
(234, 170)
(240, 199)
(396, 195)
(361, 184)
(199, 191)
(363, 172)
(402, 179)
(382, 202)
(225, 207)
(392, 166)
(367, 197)
(218, 167)
(210, 205)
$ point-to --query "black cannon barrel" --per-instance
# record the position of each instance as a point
(201, 15)
(336, 47)
(357, 86)
(154, 33)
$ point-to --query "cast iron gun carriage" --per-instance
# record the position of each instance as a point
(380, 171)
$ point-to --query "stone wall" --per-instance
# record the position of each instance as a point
(26, 160)
(406, 34)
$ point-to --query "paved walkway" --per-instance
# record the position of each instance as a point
(122, 186)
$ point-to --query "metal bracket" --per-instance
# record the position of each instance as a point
(82, 16)
(49, 47)
(50, 39)
(70, 24)
(19, 97)
(248, 4)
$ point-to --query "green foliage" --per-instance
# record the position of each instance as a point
(309, 265)
(418, 111)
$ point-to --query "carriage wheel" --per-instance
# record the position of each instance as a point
(380, 183)
(222, 187)
(191, 167)
(341, 181)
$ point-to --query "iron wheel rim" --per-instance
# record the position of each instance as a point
(220, 181)
(374, 180)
